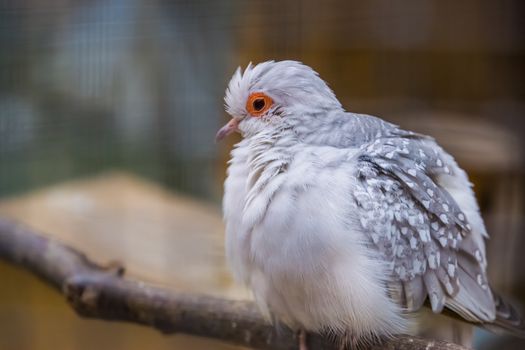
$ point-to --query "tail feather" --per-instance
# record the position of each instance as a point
(507, 319)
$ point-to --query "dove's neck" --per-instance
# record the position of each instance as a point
(265, 156)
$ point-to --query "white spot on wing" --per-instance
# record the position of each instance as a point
(413, 242)
(432, 263)
(480, 279)
(444, 218)
(478, 255)
(449, 287)
(451, 269)
(424, 234)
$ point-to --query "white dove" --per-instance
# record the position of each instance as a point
(343, 223)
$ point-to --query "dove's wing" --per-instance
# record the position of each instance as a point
(419, 229)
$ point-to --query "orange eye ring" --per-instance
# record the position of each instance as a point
(258, 103)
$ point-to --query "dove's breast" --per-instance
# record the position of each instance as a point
(235, 191)
(297, 246)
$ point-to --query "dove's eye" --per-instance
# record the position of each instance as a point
(258, 103)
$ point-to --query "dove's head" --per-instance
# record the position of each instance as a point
(275, 94)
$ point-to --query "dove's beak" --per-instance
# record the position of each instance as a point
(227, 129)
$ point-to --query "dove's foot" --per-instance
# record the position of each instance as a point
(302, 340)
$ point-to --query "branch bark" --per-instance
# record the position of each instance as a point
(103, 293)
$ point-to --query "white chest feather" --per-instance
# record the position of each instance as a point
(290, 238)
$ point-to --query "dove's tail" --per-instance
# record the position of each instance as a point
(507, 319)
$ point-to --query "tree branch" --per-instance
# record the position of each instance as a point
(102, 293)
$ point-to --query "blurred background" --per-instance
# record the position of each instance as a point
(108, 111)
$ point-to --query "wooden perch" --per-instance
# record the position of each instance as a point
(102, 293)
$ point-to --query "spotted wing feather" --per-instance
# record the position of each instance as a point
(419, 229)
